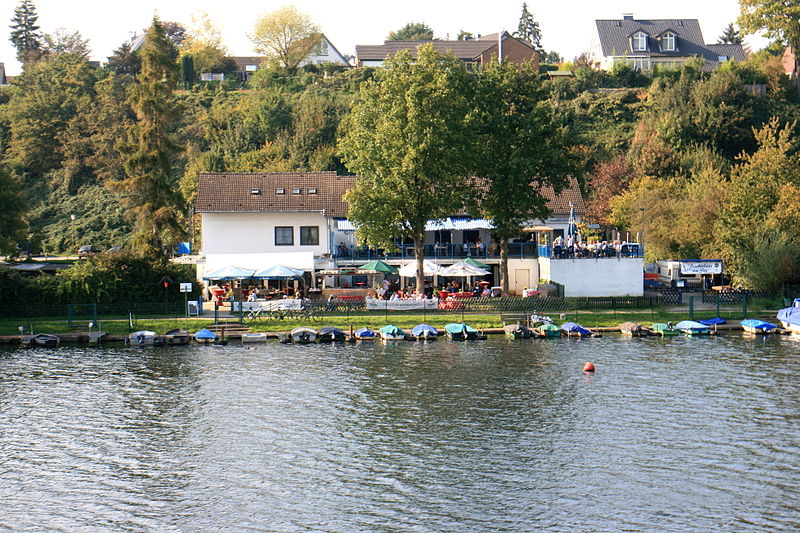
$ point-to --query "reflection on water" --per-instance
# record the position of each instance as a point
(669, 435)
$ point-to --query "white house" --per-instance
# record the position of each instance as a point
(323, 53)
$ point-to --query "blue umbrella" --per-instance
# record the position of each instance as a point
(572, 227)
(279, 272)
(230, 272)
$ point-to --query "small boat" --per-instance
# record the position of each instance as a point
(664, 329)
(142, 338)
(754, 326)
(517, 331)
(47, 340)
(790, 317)
(690, 327)
(303, 335)
(717, 321)
(365, 334)
(392, 333)
(462, 332)
(176, 337)
(632, 329)
(331, 334)
(424, 332)
(251, 337)
(205, 336)
(548, 330)
(575, 330)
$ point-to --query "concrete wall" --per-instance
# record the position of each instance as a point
(237, 233)
(596, 277)
(522, 273)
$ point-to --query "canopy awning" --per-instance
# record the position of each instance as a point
(446, 224)
(429, 268)
(230, 272)
(279, 272)
(537, 228)
(462, 269)
(379, 266)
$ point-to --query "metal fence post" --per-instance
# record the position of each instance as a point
(717, 302)
(744, 305)
(691, 307)
(69, 315)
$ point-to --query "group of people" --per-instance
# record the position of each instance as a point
(392, 291)
(572, 247)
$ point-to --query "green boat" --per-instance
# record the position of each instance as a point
(392, 333)
(517, 331)
(462, 332)
(665, 330)
(549, 330)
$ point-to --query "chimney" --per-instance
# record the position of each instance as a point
(627, 16)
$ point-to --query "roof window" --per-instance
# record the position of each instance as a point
(312, 190)
(280, 190)
(255, 191)
(297, 191)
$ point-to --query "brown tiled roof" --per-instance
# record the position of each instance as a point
(242, 62)
(220, 192)
(466, 50)
(232, 192)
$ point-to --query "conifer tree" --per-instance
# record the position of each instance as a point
(529, 31)
(149, 190)
(25, 34)
(730, 35)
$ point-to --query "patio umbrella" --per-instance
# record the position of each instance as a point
(379, 266)
(572, 227)
(429, 268)
(476, 263)
(230, 272)
(279, 272)
(463, 269)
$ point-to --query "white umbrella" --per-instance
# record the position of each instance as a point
(463, 270)
(429, 268)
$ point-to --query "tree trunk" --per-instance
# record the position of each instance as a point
(419, 255)
(504, 265)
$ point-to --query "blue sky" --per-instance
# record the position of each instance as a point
(567, 25)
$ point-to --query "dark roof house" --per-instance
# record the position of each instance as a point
(664, 43)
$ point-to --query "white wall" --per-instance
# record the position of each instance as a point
(596, 277)
(249, 233)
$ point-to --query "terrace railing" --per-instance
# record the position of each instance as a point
(446, 251)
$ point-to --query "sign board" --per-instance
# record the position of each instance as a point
(707, 266)
(186, 287)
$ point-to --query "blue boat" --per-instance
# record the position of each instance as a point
(424, 332)
(205, 336)
(690, 327)
(717, 321)
(365, 334)
(575, 330)
(790, 317)
(753, 325)
(331, 334)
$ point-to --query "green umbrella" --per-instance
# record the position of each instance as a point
(379, 266)
(473, 262)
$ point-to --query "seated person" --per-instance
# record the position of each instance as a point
(342, 250)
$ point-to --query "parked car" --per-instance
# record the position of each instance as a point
(87, 250)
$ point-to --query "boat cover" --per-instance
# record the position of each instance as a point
(548, 327)
(331, 331)
(758, 324)
(205, 335)
(713, 321)
(572, 327)
(419, 331)
(392, 331)
(365, 333)
(690, 324)
(457, 327)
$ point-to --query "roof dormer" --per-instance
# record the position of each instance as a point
(639, 41)
(668, 41)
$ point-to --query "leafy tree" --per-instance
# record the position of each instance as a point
(607, 180)
(518, 148)
(25, 34)
(124, 60)
(779, 19)
(413, 31)
(529, 31)
(62, 42)
(730, 35)
(203, 42)
(12, 212)
(149, 190)
(176, 33)
(285, 36)
(552, 57)
(463, 35)
(408, 142)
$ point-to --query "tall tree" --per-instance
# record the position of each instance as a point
(413, 31)
(124, 60)
(203, 42)
(25, 34)
(528, 30)
(464, 35)
(62, 42)
(407, 140)
(779, 19)
(149, 190)
(519, 147)
(12, 212)
(730, 35)
(285, 36)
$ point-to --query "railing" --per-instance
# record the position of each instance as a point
(562, 252)
(447, 251)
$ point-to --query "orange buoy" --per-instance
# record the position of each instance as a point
(588, 367)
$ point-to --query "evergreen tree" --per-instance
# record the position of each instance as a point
(730, 35)
(413, 31)
(529, 31)
(125, 61)
(149, 190)
(12, 212)
(25, 34)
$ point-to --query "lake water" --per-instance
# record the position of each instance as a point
(679, 434)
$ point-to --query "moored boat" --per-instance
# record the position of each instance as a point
(790, 317)
(303, 335)
(176, 337)
(331, 334)
(365, 334)
(252, 337)
(716, 321)
(47, 340)
(755, 326)
(142, 338)
(632, 329)
(548, 330)
(390, 332)
(571, 329)
(459, 331)
(205, 336)
(517, 331)
(664, 329)
(424, 332)
(690, 327)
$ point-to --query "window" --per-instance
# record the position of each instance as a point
(639, 41)
(254, 191)
(280, 190)
(297, 191)
(312, 190)
(640, 64)
(668, 42)
(284, 236)
(309, 235)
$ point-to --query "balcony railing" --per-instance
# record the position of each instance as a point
(517, 250)
(620, 251)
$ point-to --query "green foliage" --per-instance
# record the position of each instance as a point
(529, 31)
(12, 211)
(730, 35)
(413, 31)
(25, 35)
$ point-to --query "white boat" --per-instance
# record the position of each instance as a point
(253, 337)
(142, 338)
(790, 317)
(757, 326)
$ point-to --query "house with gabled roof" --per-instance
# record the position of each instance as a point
(664, 43)
(323, 53)
(478, 51)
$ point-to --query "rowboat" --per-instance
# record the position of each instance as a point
(176, 337)
(549, 330)
(790, 317)
(47, 340)
(250, 337)
(424, 332)
(391, 333)
(575, 330)
(690, 327)
(365, 334)
(631, 329)
(665, 330)
(142, 338)
(517, 331)
(460, 332)
(331, 334)
(303, 335)
(754, 326)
